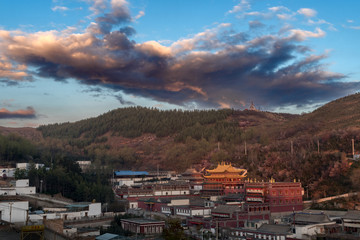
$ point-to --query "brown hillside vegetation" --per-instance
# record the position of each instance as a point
(311, 147)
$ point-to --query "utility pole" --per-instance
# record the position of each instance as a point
(353, 147)
(157, 171)
(10, 204)
(41, 183)
(318, 143)
(218, 146)
(245, 149)
(217, 230)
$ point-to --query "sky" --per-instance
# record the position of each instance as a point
(67, 60)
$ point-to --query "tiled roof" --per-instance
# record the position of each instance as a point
(352, 214)
(130, 173)
(228, 168)
(311, 218)
(274, 228)
(225, 209)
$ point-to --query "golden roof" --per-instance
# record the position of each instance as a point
(224, 176)
(223, 167)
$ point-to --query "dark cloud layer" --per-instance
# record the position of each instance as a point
(28, 113)
(216, 68)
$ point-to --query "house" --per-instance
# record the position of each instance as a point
(351, 222)
(108, 236)
(18, 187)
(129, 178)
(75, 211)
(84, 165)
(26, 166)
(143, 226)
(7, 172)
(14, 211)
(308, 225)
(265, 231)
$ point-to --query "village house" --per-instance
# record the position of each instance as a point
(143, 226)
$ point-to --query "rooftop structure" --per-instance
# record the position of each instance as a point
(224, 179)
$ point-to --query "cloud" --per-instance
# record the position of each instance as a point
(140, 14)
(59, 8)
(10, 70)
(27, 113)
(256, 24)
(242, 6)
(307, 12)
(122, 101)
(218, 67)
(119, 13)
(302, 35)
(355, 27)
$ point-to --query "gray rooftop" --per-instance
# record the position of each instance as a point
(142, 220)
(309, 218)
(352, 214)
(226, 209)
(108, 236)
(274, 228)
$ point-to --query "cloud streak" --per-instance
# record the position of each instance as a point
(219, 67)
(28, 113)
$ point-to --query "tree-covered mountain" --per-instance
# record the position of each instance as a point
(312, 147)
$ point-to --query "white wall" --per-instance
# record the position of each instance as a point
(305, 232)
(94, 209)
(26, 166)
(22, 183)
(38, 218)
(7, 192)
(8, 171)
(15, 212)
(133, 205)
(179, 202)
(201, 212)
(25, 190)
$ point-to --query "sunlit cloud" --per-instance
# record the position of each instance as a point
(59, 8)
(217, 67)
(307, 12)
(29, 112)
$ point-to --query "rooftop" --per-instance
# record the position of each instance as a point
(142, 220)
(223, 167)
(352, 214)
(130, 173)
(274, 228)
(226, 209)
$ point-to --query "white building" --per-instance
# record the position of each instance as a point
(14, 211)
(74, 211)
(18, 187)
(26, 166)
(7, 172)
(307, 225)
(84, 165)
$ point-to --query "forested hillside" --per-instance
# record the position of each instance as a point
(313, 147)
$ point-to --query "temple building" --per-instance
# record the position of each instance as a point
(194, 178)
(224, 179)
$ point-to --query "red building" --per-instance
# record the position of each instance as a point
(143, 226)
(280, 196)
(224, 179)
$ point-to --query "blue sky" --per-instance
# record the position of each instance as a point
(66, 60)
